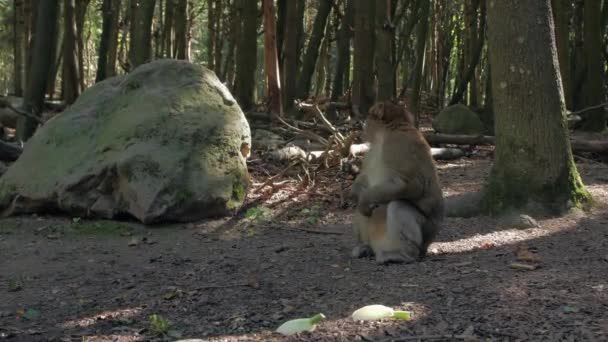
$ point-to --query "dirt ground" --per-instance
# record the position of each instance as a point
(65, 279)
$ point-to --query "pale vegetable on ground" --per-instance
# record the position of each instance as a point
(295, 326)
(377, 311)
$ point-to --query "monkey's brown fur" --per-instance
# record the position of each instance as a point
(398, 180)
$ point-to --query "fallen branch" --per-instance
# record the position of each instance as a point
(601, 105)
(6, 104)
(312, 231)
(440, 153)
(597, 146)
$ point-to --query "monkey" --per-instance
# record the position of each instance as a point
(400, 205)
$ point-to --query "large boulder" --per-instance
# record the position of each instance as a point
(166, 142)
(458, 119)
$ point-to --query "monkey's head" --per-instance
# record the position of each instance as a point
(387, 115)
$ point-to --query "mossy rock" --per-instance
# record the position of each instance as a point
(458, 119)
(163, 143)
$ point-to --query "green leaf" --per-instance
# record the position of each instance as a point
(31, 314)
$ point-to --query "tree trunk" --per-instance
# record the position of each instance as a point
(43, 57)
(474, 60)
(363, 93)
(384, 50)
(167, 35)
(561, 13)
(81, 11)
(421, 37)
(290, 57)
(345, 35)
(140, 49)
(271, 60)
(235, 32)
(312, 49)
(246, 53)
(18, 47)
(181, 30)
(534, 167)
(593, 86)
(71, 75)
(219, 42)
(108, 43)
(282, 27)
(211, 34)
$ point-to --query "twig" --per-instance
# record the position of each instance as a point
(589, 108)
(425, 338)
(209, 287)
(6, 104)
(272, 178)
(315, 109)
(312, 231)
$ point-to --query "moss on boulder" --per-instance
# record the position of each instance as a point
(458, 119)
(162, 143)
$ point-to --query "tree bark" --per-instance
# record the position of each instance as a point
(81, 11)
(168, 29)
(561, 12)
(593, 86)
(18, 47)
(534, 167)
(271, 59)
(108, 42)
(385, 32)
(246, 53)
(140, 49)
(345, 35)
(71, 73)
(474, 60)
(421, 38)
(290, 57)
(181, 30)
(312, 49)
(363, 94)
(42, 61)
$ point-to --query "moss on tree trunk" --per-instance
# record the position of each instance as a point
(534, 169)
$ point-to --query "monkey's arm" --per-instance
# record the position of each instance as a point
(395, 189)
(359, 185)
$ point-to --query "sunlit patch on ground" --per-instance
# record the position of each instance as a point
(94, 319)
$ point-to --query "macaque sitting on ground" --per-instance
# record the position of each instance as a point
(400, 204)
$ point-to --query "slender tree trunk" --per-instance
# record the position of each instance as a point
(106, 63)
(533, 167)
(384, 50)
(168, 28)
(593, 86)
(42, 61)
(235, 32)
(140, 50)
(271, 59)
(219, 42)
(81, 11)
(421, 37)
(363, 94)
(290, 57)
(345, 35)
(211, 34)
(71, 87)
(561, 13)
(246, 53)
(282, 26)
(474, 60)
(312, 50)
(18, 46)
(578, 67)
(181, 29)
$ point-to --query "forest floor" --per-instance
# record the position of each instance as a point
(288, 256)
